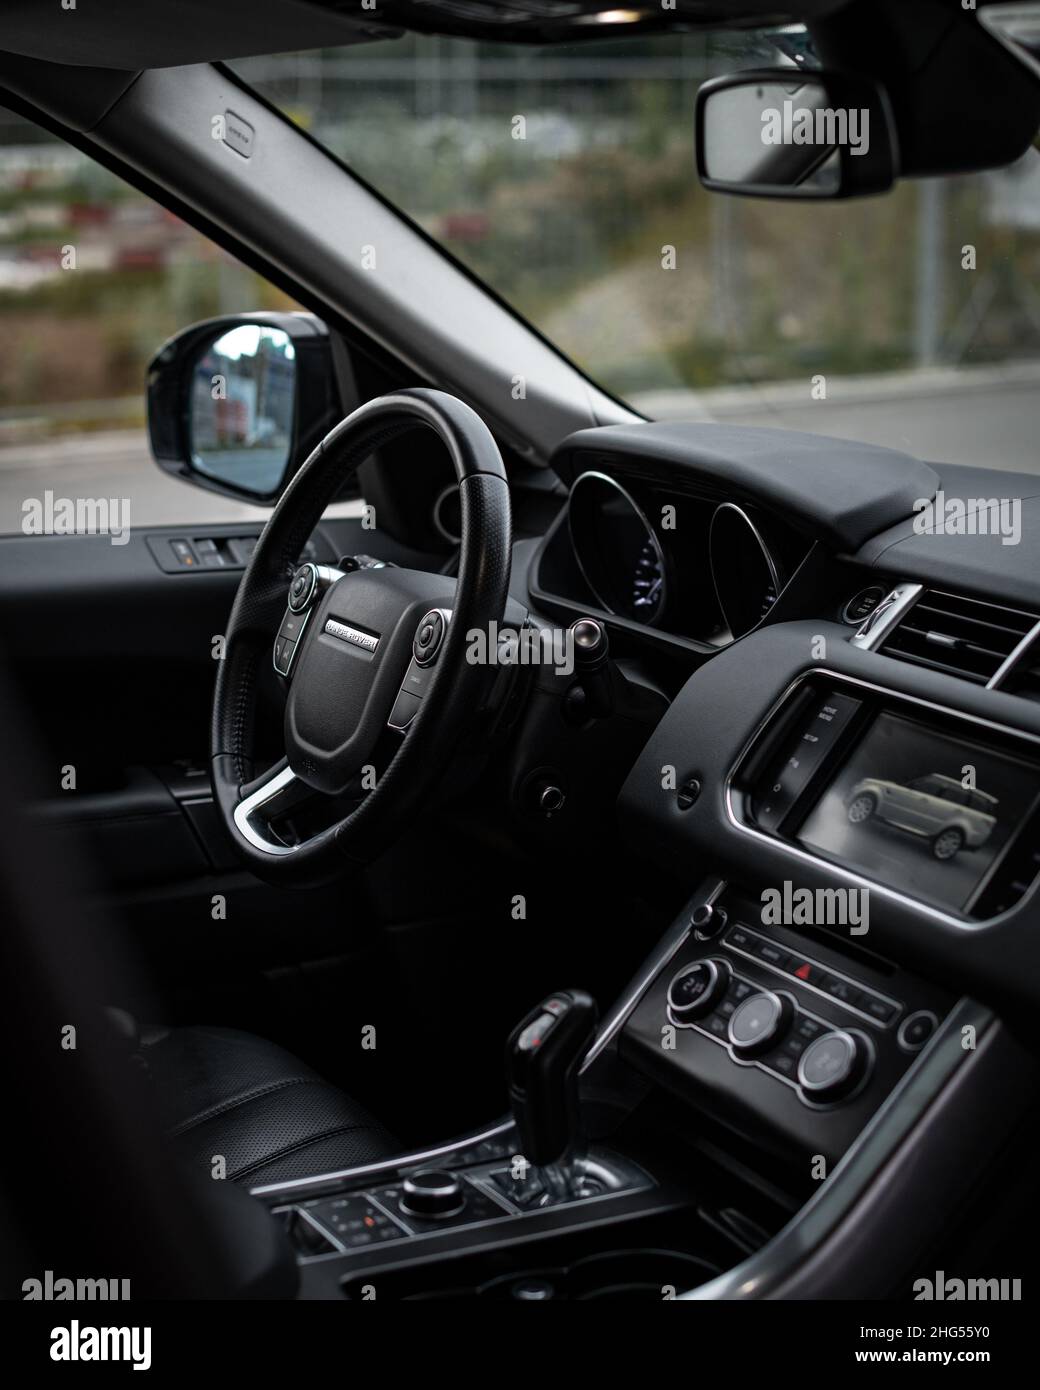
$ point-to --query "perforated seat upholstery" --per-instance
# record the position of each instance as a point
(271, 1118)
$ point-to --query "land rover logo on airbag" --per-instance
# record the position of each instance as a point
(351, 634)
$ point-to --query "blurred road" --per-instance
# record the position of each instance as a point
(984, 416)
(987, 416)
(113, 464)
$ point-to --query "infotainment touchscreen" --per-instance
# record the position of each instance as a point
(920, 812)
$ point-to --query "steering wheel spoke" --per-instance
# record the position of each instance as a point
(270, 798)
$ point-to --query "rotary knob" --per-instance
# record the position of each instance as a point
(759, 1023)
(834, 1065)
(697, 988)
(432, 1193)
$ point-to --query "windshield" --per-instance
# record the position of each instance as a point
(564, 177)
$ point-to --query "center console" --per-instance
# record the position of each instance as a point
(760, 1111)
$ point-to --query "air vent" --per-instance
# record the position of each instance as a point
(959, 636)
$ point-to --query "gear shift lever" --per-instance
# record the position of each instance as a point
(543, 1057)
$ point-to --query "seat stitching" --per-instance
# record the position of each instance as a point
(225, 1105)
(303, 1144)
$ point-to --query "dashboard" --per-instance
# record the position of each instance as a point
(689, 536)
(788, 573)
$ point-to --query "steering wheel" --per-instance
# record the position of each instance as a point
(377, 656)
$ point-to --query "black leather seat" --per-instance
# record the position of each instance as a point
(271, 1118)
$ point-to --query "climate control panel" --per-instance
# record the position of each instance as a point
(822, 1062)
(756, 1023)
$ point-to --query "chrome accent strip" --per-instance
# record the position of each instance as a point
(885, 616)
(651, 533)
(774, 572)
(245, 809)
(648, 973)
(1013, 658)
(386, 1165)
(793, 851)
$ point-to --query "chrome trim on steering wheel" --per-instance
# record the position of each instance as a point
(244, 814)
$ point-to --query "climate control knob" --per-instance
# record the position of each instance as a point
(697, 988)
(760, 1023)
(833, 1065)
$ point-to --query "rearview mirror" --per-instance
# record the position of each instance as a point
(784, 133)
(236, 404)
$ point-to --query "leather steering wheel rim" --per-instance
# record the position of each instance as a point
(481, 594)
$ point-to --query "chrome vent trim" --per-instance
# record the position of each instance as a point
(971, 639)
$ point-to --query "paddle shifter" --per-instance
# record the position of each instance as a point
(543, 1057)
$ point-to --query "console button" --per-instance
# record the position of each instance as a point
(833, 1065)
(803, 756)
(355, 1221)
(759, 1023)
(862, 605)
(697, 988)
(877, 1007)
(771, 954)
(808, 1028)
(183, 553)
(784, 1063)
(916, 1029)
(838, 988)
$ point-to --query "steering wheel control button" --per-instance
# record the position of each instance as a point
(759, 1023)
(432, 1193)
(284, 651)
(428, 637)
(697, 988)
(301, 590)
(916, 1029)
(288, 640)
(406, 707)
(293, 625)
(833, 1065)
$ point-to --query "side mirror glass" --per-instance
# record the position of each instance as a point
(784, 133)
(236, 404)
(242, 406)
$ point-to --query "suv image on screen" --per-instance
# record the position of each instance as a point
(938, 808)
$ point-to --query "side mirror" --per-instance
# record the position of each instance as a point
(236, 404)
(784, 133)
